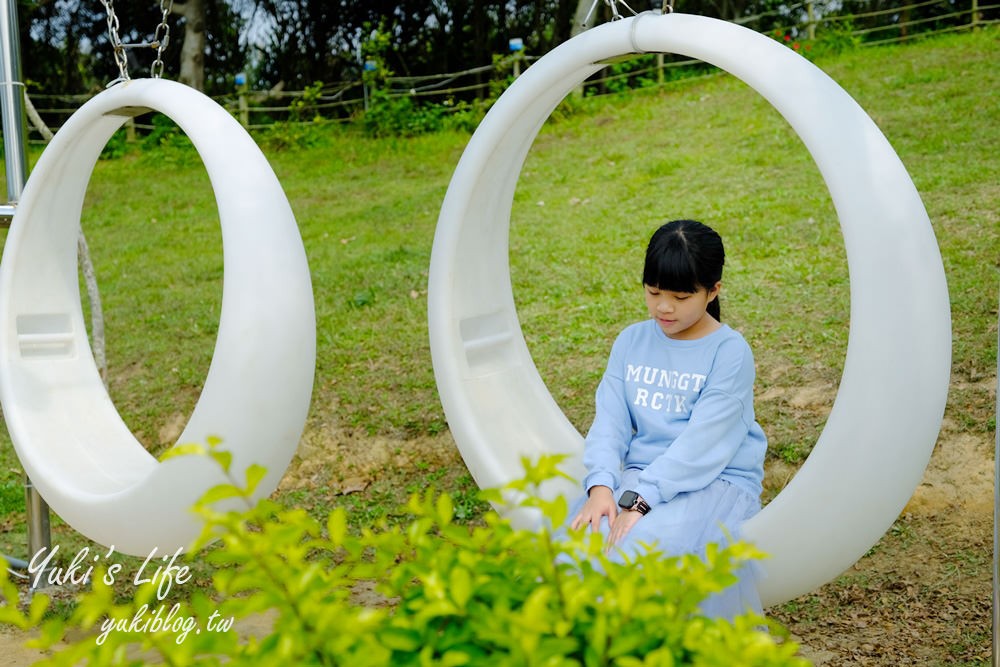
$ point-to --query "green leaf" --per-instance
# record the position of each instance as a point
(336, 526)
(221, 492)
(544, 469)
(185, 449)
(255, 473)
(223, 457)
(454, 659)
(460, 586)
(400, 639)
(627, 641)
(445, 509)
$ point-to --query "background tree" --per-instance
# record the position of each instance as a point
(66, 47)
(299, 43)
(313, 41)
(192, 68)
(304, 41)
(51, 34)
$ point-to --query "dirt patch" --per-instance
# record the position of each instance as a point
(171, 430)
(808, 397)
(958, 482)
(343, 461)
(923, 594)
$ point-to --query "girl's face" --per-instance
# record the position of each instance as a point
(682, 315)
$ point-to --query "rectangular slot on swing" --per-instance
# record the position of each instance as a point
(485, 339)
(129, 112)
(45, 335)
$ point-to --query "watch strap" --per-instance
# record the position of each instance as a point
(630, 501)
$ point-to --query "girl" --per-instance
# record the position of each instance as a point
(675, 457)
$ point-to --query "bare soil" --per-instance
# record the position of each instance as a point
(921, 596)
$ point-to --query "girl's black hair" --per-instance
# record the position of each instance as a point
(685, 256)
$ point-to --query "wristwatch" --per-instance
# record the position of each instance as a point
(630, 500)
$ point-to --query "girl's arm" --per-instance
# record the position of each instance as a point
(609, 435)
(717, 429)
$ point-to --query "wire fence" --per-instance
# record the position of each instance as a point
(801, 26)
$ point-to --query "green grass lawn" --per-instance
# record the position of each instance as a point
(598, 180)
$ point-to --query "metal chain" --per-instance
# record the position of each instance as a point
(615, 16)
(116, 42)
(160, 40)
(613, 4)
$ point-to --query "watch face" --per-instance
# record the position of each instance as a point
(628, 499)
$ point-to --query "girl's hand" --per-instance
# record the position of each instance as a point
(621, 525)
(600, 503)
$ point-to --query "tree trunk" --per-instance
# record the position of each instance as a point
(193, 49)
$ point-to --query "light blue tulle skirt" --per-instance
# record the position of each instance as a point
(686, 525)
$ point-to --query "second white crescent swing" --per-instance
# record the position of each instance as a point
(888, 410)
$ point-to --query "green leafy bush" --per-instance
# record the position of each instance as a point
(165, 133)
(117, 146)
(629, 73)
(288, 136)
(837, 37)
(400, 116)
(301, 107)
(431, 592)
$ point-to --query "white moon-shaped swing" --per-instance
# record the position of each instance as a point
(885, 419)
(68, 435)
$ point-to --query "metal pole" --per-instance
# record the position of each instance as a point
(12, 101)
(15, 159)
(37, 511)
(996, 515)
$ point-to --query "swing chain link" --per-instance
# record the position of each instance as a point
(161, 38)
(116, 43)
(613, 4)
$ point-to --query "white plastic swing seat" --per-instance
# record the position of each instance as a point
(887, 414)
(70, 439)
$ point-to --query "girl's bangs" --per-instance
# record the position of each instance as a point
(671, 271)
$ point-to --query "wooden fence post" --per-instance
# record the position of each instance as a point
(241, 96)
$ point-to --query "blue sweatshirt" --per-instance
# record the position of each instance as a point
(679, 410)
